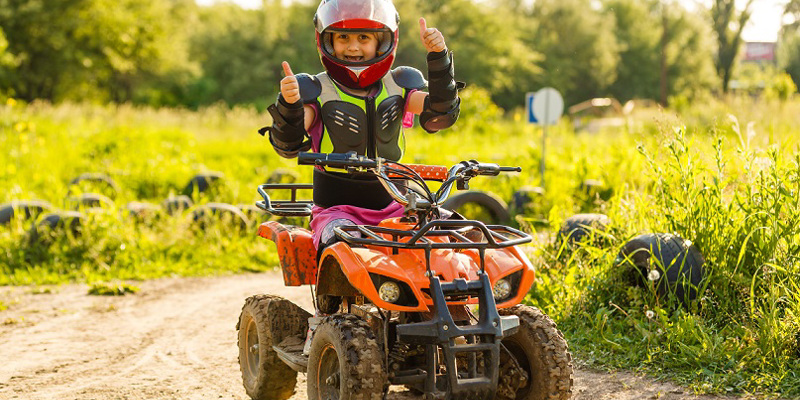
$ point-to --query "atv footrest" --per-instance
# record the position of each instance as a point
(290, 351)
(410, 377)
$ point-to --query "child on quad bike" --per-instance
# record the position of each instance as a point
(397, 291)
(359, 104)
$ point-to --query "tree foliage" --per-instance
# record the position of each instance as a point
(77, 49)
(7, 65)
(579, 49)
(173, 52)
(789, 44)
(488, 51)
(728, 24)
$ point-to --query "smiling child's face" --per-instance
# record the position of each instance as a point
(355, 46)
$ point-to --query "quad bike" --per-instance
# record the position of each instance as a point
(397, 301)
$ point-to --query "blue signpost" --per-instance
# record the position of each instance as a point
(529, 107)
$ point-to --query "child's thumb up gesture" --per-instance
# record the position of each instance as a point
(290, 89)
(431, 37)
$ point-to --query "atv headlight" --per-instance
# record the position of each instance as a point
(389, 292)
(501, 289)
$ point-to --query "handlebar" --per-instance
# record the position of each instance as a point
(383, 169)
(336, 160)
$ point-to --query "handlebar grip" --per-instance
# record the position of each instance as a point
(336, 160)
(304, 158)
(494, 169)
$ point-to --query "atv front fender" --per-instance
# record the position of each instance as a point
(356, 264)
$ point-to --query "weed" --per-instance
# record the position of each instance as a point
(112, 289)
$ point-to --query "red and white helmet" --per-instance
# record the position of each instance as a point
(378, 16)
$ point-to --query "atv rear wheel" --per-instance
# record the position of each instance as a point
(345, 361)
(540, 349)
(266, 320)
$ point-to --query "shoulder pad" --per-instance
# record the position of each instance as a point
(409, 78)
(310, 88)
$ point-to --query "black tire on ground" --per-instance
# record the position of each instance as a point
(24, 209)
(540, 349)
(525, 196)
(202, 182)
(177, 204)
(265, 321)
(50, 225)
(345, 361)
(493, 205)
(678, 262)
(227, 214)
(580, 227)
(99, 181)
(89, 200)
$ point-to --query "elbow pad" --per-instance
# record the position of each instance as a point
(433, 121)
(442, 86)
(287, 133)
(442, 105)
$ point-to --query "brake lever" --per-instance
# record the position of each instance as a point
(463, 184)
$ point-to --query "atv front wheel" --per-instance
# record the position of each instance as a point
(345, 361)
(265, 321)
(541, 351)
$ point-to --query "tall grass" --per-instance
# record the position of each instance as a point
(734, 193)
(730, 187)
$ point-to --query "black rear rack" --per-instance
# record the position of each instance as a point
(285, 208)
(493, 236)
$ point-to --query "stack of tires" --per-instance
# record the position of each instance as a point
(95, 193)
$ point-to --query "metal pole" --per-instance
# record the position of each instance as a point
(544, 141)
(545, 122)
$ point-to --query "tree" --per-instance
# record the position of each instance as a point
(7, 65)
(240, 52)
(792, 8)
(728, 24)
(681, 36)
(639, 48)
(789, 44)
(488, 48)
(689, 54)
(92, 49)
(577, 42)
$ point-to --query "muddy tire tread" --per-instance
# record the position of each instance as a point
(364, 368)
(558, 381)
(276, 380)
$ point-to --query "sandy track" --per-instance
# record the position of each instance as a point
(175, 339)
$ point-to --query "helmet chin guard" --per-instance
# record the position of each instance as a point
(377, 16)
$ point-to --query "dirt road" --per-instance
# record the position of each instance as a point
(175, 339)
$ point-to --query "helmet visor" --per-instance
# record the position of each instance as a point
(384, 45)
(356, 14)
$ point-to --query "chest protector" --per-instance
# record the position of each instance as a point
(370, 126)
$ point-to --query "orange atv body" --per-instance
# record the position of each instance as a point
(397, 300)
(357, 265)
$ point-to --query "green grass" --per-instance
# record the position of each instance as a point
(112, 289)
(730, 185)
